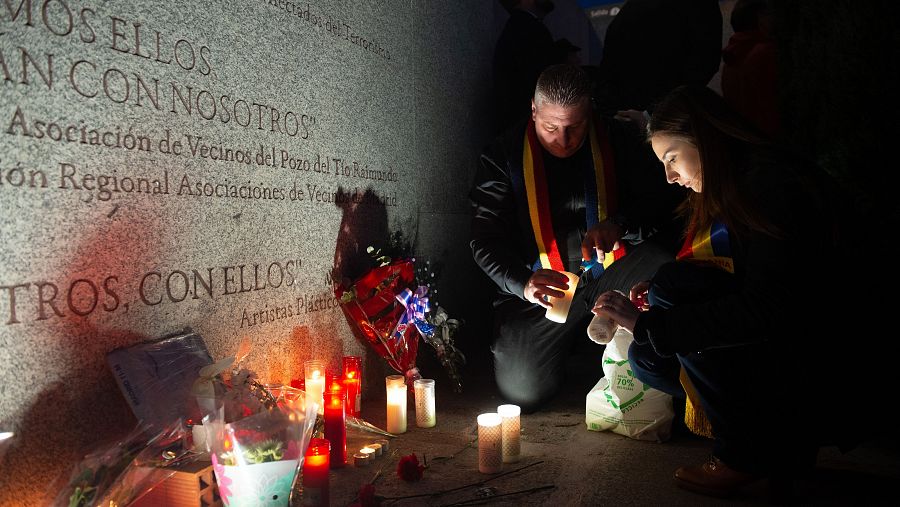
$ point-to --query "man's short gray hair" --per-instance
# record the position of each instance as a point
(564, 85)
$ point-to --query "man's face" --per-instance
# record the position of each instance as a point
(561, 130)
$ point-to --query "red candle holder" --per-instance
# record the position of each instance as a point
(353, 384)
(315, 473)
(335, 423)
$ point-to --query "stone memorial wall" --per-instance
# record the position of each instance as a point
(209, 165)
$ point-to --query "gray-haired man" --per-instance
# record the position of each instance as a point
(563, 187)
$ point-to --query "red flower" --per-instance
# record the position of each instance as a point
(367, 497)
(409, 468)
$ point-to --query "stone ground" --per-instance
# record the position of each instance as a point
(580, 467)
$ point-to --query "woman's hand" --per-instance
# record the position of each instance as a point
(638, 295)
(617, 307)
(543, 283)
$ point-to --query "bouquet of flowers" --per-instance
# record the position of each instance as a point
(122, 472)
(256, 441)
(389, 308)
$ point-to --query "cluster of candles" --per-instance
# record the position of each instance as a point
(498, 438)
(339, 397)
(370, 452)
(426, 416)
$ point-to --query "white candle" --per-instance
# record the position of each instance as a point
(560, 309)
(425, 413)
(385, 446)
(510, 425)
(368, 451)
(396, 404)
(361, 460)
(489, 443)
(315, 382)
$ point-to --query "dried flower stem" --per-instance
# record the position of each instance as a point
(470, 485)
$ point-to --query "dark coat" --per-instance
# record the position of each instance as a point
(502, 238)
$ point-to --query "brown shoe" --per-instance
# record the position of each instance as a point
(713, 478)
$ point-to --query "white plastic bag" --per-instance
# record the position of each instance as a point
(623, 404)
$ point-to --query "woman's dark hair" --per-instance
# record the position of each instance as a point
(701, 117)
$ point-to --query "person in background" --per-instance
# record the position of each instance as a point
(738, 312)
(653, 46)
(552, 191)
(749, 70)
(525, 48)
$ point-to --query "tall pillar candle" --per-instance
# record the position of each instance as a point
(335, 425)
(490, 437)
(425, 412)
(315, 382)
(396, 404)
(315, 473)
(510, 428)
(353, 384)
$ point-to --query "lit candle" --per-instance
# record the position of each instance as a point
(368, 451)
(510, 428)
(315, 382)
(560, 309)
(353, 384)
(335, 424)
(315, 473)
(425, 414)
(6, 439)
(377, 448)
(489, 443)
(396, 404)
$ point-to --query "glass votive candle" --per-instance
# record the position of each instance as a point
(425, 412)
(315, 382)
(315, 473)
(396, 404)
(352, 375)
(335, 426)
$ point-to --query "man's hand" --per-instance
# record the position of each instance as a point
(603, 237)
(545, 282)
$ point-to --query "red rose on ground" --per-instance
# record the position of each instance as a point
(409, 468)
(367, 497)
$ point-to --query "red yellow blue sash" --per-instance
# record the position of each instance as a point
(709, 246)
(599, 191)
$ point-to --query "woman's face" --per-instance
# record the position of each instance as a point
(680, 159)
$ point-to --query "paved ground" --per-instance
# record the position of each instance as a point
(581, 467)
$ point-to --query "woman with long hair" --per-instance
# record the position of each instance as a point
(728, 326)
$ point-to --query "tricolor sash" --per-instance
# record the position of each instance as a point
(708, 246)
(599, 195)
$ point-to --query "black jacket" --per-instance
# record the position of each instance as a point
(783, 286)
(502, 240)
